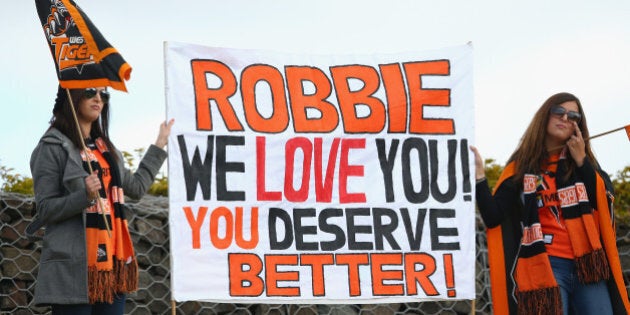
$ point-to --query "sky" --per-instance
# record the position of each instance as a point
(523, 53)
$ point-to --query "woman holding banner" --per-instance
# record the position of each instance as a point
(87, 262)
(551, 237)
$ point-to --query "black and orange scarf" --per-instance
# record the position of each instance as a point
(521, 275)
(112, 267)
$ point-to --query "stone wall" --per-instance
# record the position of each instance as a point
(148, 221)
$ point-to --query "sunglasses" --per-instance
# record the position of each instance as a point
(560, 111)
(91, 92)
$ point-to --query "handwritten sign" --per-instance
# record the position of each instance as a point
(299, 178)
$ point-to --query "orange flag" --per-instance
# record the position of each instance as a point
(628, 131)
(83, 58)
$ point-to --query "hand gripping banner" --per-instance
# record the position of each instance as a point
(83, 58)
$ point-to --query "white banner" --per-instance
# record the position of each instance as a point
(298, 178)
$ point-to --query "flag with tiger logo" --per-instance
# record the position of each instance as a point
(82, 56)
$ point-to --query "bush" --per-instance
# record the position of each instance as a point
(621, 183)
(15, 183)
(159, 186)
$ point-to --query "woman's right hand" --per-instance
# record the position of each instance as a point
(93, 185)
(480, 171)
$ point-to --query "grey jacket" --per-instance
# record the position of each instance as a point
(61, 198)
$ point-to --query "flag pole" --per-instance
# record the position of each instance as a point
(85, 149)
(592, 137)
(607, 132)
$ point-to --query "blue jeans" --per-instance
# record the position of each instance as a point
(578, 298)
(116, 308)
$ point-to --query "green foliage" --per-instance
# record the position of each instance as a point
(621, 185)
(159, 186)
(493, 171)
(131, 158)
(16, 183)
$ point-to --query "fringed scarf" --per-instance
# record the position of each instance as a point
(112, 267)
(503, 252)
(538, 291)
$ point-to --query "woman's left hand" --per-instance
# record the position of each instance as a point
(165, 131)
(576, 146)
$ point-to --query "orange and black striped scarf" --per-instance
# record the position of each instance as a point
(535, 289)
(112, 267)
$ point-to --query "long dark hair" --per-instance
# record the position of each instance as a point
(531, 152)
(63, 119)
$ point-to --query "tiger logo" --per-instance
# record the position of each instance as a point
(59, 20)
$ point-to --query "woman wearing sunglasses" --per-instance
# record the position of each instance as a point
(551, 237)
(87, 262)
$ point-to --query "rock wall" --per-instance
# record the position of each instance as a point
(148, 221)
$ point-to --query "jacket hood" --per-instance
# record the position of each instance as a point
(53, 135)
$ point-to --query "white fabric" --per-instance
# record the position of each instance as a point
(272, 164)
